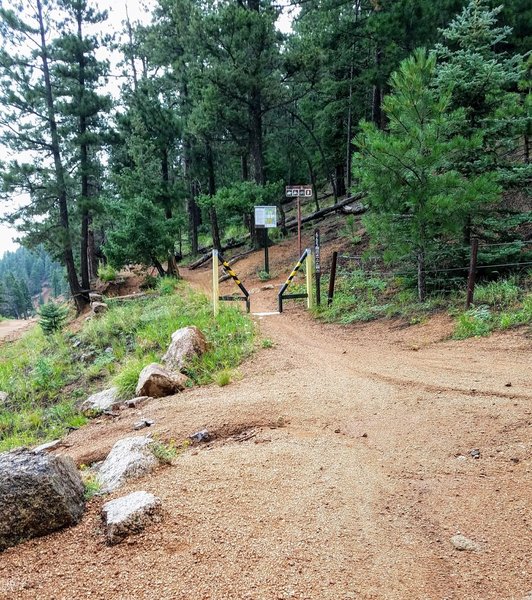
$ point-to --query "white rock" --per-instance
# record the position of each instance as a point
(157, 382)
(129, 458)
(106, 400)
(460, 542)
(48, 446)
(4, 397)
(134, 402)
(129, 514)
(95, 297)
(187, 343)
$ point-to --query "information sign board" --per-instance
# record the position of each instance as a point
(265, 217)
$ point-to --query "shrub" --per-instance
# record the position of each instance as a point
(52, 317)
(107, 272)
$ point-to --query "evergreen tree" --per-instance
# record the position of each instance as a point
(52, 317)
(416, 198)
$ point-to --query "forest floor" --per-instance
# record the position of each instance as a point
(340, 468)
(12, 329)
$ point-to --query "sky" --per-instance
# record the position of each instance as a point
(138, 10)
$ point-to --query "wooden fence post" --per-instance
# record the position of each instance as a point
(332, 278)
(472, 272)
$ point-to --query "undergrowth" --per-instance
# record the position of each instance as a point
(47, 377)
(361, 296)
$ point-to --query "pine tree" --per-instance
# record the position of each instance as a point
(52, 317)
(416, 198)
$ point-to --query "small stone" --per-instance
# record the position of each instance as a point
(364, 435)
(100, 402)
(4, 398)
(129, 514)
(475, 453)
(336, 431)
(48, 446)
(135, 402)
(268, 286)
(200, 436)
(460, 542)
(142, 424)
(94, 297)
(509, 384)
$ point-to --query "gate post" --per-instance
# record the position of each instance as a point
(215, 284)
(310, 278)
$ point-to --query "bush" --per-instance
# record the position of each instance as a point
(107, 273)
(52, 317)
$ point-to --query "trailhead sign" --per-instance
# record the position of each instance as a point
(265, 217)
(298, 191)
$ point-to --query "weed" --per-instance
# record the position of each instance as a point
(267, 343)
(106, 272)
(223, 377)
(167, 285)
(473, 323)
(264, 275)
(167, 452)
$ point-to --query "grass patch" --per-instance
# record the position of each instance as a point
(362, 297)
(107, 273)
(47, 377)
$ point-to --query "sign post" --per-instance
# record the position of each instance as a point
(308, 268)
(317, 265)
(298, 191)
(266, 218)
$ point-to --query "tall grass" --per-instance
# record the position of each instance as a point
(46, 377)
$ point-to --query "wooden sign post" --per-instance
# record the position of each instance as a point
(298, 191)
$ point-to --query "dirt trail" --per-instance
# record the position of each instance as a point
(13, 329)
(341, 470)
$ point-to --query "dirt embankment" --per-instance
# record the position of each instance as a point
(341, 469)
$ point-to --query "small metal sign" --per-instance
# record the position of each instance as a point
(298, 191)
(265, 217)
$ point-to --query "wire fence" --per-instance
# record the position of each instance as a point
(444, 273)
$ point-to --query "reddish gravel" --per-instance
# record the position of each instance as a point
(340, 469)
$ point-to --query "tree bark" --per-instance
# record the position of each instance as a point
(421, 281)
(81, 298)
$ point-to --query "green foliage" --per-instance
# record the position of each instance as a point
(264, 275)
(107, 273)
(167, 285)
(167, 452)
(223, 377)
(415, 196)
(267, 343)
(52, 317)
(47, 376)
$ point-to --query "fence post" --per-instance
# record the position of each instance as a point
(215, 284)
(310, 293)
(332, 278)
(472, 272)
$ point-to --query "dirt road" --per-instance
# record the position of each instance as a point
(12, 329)
(341, 469)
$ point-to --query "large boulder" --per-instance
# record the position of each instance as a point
(187, 343)
(129, 514)
(97, 403)
(39, 493)
(157, 382)
(129, 458)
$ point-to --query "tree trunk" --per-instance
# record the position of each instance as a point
(192, 208)
(349, 131)
(159, 267)
(340, 180)
(215, 230)
(244, 167)
(376, 111)
(80, 298)
(256, 141)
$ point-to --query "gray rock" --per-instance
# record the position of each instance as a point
(99, 308)
(95, 297)
(129, 514)
(475, 453)
(134, 402)
(460, 542)
(4, 398)
(157, 382)
(142, 424)
(200, 436)
(39, 493)
(187, 343)
(129, 458)
(48, 446)
(100, 402)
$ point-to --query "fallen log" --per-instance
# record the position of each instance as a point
(357, 209)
